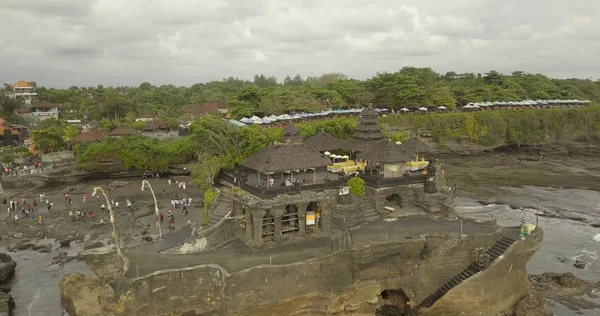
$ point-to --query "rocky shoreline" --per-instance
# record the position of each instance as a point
(7, 271)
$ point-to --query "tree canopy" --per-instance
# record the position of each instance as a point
(407, 87)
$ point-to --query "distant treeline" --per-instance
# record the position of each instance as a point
(408, 87)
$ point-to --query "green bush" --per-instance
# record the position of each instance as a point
(357, 186)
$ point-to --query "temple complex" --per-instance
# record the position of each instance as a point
(298, 189)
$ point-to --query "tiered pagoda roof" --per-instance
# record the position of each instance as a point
(367, 133)
(323, 141)
(286, 157)
(291, 133)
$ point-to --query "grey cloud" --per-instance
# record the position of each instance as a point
(45, 8)
(115, 42)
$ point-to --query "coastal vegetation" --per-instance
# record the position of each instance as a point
(138, 152)
(407, 87)
(216, 144)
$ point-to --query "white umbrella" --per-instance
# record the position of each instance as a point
(338, 157)
(442, 107)
(327, 153)
(404, 110)
(332, 156)
(345, 157)
(422, 109)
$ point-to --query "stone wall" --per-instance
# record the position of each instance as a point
(341, 282)
(345, 213)
(219, 234)
(198, 289)
(498, 288)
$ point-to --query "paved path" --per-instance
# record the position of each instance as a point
(237, 256)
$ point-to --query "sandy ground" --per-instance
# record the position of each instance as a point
(129, 222)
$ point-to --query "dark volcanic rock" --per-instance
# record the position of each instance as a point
(579, 264)
(93, 245)
(7, 304)
(7, 267)
(21, 246)
(65, 241)
(42, 248)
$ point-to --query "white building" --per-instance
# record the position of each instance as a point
(24, 90)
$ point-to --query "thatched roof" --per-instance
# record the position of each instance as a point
(286, 157)
(361, 145)
(416, 146)
(291, 133)
(386, 151)
(322, 141)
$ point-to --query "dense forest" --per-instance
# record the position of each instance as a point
(408, 87)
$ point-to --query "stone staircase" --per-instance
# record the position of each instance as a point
(494, 252)
(224, 205)
(369, 210)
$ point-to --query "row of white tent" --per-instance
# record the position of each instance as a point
(473, 105)
(286, 117)
(525, 103)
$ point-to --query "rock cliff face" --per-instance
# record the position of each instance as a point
(7, 267)
(500, 287)
(86, 295)
(352, 282)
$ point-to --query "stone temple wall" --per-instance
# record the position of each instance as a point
(347, 281)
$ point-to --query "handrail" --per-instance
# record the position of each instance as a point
(378, 181)
(266, 192)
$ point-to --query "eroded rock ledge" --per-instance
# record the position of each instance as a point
(86, 295)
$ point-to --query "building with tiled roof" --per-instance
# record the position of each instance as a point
(44, 110)
(93, 135)
(23, 90)
(8, 135)
(123, 130)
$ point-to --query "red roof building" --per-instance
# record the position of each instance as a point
(123, 130)
(93, 135)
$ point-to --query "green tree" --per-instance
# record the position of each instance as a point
(8, 109)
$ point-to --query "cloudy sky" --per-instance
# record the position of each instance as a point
(115, 42)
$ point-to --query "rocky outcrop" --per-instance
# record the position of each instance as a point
(497, 289)
(436, 205)
(86, 295)
(7, 304)
(566, 288)
(533, 305)
(7, 267)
